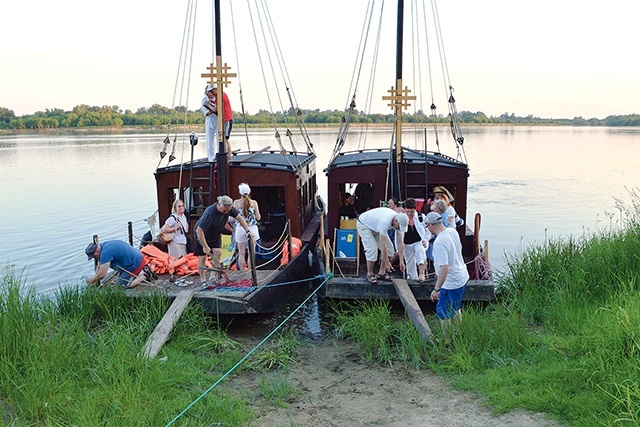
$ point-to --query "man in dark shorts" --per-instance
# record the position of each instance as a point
(208, 232)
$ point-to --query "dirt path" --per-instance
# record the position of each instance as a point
(335, 389)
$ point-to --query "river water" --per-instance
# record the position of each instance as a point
(58, 190)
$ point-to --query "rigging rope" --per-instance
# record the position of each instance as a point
(253, 350)
(240, 93)
(454, 118)
(350, 107)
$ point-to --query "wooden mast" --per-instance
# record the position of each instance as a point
(218, 76)
(398, 98)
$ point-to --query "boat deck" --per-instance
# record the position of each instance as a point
(346, 285)
(225, 289)
(227, 297)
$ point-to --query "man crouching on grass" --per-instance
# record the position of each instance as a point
(120, 256)
(451, 272)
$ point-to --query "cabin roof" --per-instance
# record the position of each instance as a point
(291, 161)
(274, 160)
(376, 156)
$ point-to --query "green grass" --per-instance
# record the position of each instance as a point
(72, 361)
(277, 389)
(562, 338)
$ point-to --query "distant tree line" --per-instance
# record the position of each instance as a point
(83, 116)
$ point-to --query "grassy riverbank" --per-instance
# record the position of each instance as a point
(563, 339)
(73, 361)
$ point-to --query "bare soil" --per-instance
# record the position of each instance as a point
(336, 389)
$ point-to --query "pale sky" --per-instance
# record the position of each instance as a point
(548, 58)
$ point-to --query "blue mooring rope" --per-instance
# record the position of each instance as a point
(226, 374)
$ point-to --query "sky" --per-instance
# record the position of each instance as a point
(547, 58)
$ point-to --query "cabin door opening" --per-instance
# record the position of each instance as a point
(272, 204)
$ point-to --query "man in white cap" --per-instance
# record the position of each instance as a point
(208, 241)
(451, 272)
(372, 227)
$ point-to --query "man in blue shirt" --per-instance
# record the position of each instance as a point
(120, 256)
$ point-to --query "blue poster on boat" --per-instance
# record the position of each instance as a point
(346, 243)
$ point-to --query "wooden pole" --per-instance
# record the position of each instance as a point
(327, 256)
(412, 309)
(252, 260)
(321, 239)
(290, 242)
(161, 333)
(485, 255)
(96, 262)
(130, 227)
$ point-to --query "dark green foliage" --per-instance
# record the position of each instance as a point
(159, 116)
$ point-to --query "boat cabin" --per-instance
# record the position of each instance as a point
(364, 174)
(284, 185)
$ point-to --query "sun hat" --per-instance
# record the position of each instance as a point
(443, 189)
(91, 250)
(244, 189)
(433, 218)
(403, 221)
(225, 200)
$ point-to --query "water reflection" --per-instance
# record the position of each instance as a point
(304, 315)
(527, 182)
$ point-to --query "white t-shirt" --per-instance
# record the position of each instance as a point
(378, 220)
(447, 250)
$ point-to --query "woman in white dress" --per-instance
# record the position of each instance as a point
(250, 211)
(177, 223)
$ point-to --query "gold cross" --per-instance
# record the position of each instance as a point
(399, 98)
(218, 74)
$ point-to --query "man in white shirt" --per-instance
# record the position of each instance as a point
(372, 227)
(451, 271)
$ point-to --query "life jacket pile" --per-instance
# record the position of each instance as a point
(161, 262)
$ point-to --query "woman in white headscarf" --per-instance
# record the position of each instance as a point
(250, 211)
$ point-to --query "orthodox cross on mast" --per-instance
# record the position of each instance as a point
(218, 76)
(218, 73)
(399, 98)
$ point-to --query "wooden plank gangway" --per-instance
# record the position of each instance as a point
(412, 309)
(164, 328)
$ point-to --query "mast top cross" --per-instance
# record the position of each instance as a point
(218, 74)
(399, 98)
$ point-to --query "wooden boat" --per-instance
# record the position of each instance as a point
(283, 182)
(401, 172)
